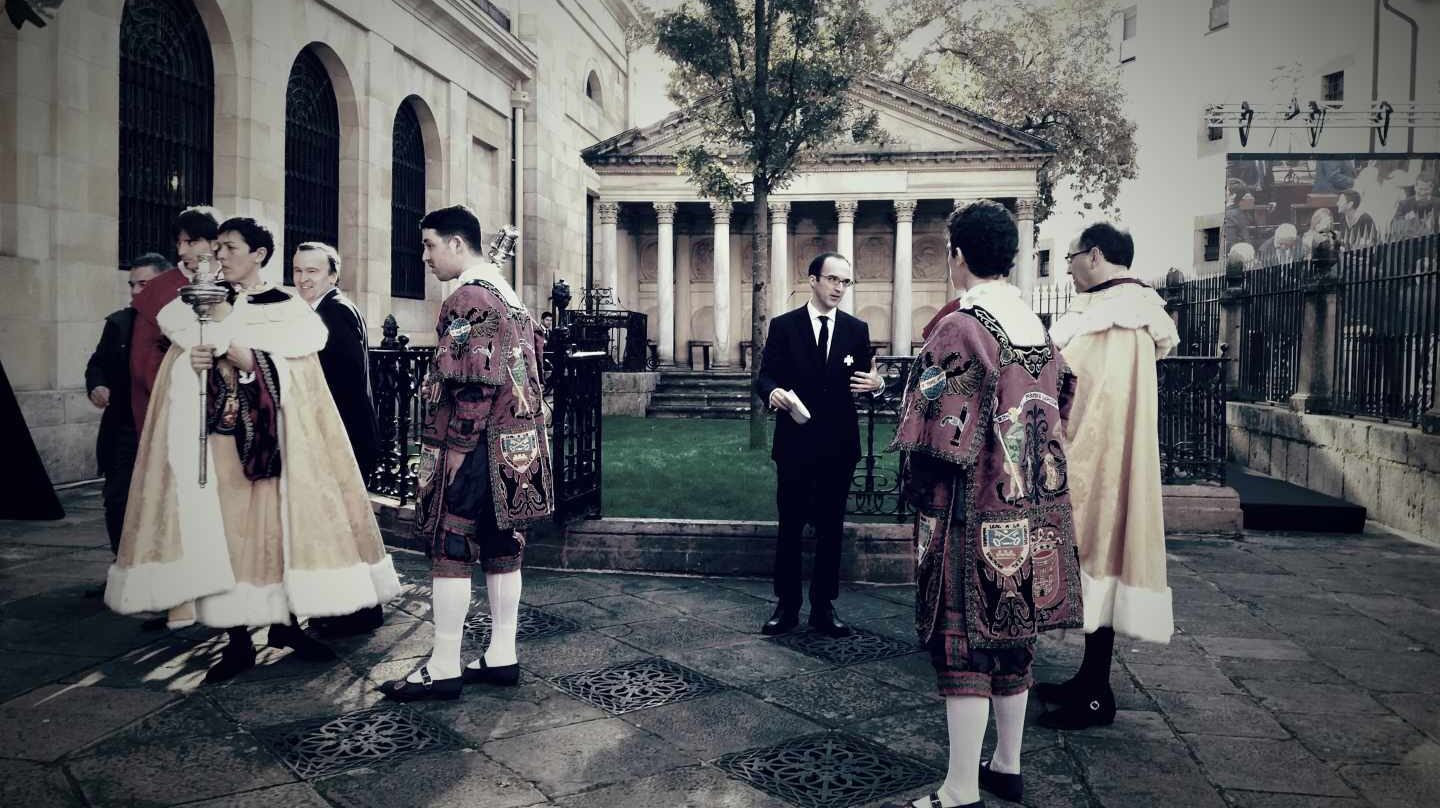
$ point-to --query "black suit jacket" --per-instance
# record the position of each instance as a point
(109, 366)
(346, 362)
(792, 362)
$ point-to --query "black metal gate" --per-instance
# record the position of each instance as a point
(575, 438)
(407, 205)
(312, 157)
(167, 91)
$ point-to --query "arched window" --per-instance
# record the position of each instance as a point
(407, 204)
(592, 88)
(312, 157)
(167, 120)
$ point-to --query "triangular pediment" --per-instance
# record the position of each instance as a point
(912, 121)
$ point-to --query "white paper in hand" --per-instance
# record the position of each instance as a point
(797, 408)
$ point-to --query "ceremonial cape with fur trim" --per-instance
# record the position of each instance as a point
(244, 552)
(1112, 339)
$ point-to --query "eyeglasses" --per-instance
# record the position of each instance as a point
(836, 280)
(1071, 256)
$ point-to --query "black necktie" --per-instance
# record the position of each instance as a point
(824, 338)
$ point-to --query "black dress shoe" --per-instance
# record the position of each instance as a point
(349, 625)
(155, 624)
(1096, 711)
(827, 622)
(1058, 692)
(234, 660)
(935, 803)
(783, 620)
(439, 689)
(504, 675)
(283, 635)
(1005, 786)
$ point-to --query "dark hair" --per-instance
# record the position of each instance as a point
(197, 221)
(985, 234)
(1352, 195)
(456, 220)
(817, 264)
(151, 259)
(256, 235)
(1115, 244)
(545, 314)
(331, 256)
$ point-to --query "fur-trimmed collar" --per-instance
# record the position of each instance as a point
(1130, 306)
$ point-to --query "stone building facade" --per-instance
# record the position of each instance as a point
(686, 263)
(404, 104)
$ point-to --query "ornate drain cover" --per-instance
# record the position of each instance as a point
(640, 685)
(860, 646)
(329, 745)
(533, 624)
(827, 770)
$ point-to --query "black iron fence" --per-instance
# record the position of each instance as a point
(619, 335)
(1197, 314)
(396, 371)
(875, 488)
(1269, 349)
(1387, 313)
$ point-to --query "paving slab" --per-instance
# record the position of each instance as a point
(1236, 716)
(291, 795)
(455, 779)
(749, 722)
(1396, 786)
(195, 719)
(840, 696)
(52, 721)
(569, 759)
(1256, 764)
(166, 773)
(1317, 699)
(485, 713)
(1421, 711)
(25, 670)
(569, 653)
(259, 703)
(1252, 648)
(615, 610)
(688, 786)
(678, 634)
(1260, 799)
(25, 783)
(1202, 677)
(1377, 739)
(1402, 672)
(749, 663)
(1143, 773)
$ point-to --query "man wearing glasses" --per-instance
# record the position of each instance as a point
(816, 358)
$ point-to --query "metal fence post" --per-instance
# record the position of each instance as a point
(1319, 332)
(1232, 322)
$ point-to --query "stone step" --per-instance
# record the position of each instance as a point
(702, 383)
(700, 397)
(698, 411)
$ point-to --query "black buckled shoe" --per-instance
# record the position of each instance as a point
(935, 802)
(828, 623)
(237, 658)
(1005, 786)
(362, 622)
(784, 619)
(284, 635)
(1096, 711)
(404, 690)
(1058, 692)
(504, 675)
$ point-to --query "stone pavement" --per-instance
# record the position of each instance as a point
(1305, 674)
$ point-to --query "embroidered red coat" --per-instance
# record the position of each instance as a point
(484, 384)
(981, 430)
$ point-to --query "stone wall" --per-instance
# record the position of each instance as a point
(627, 393)
(1393, 471)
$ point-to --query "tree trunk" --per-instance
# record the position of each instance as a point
(759, 311)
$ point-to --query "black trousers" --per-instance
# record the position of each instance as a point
(810, 492)
(116, 491)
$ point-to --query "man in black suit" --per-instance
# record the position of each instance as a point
(816, 358)
(107, 383)
(345, 360)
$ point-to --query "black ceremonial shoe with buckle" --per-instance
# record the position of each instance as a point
(1096, 711)
(503, 675)
(1059, 692)
(1005, 786)
(284, 635)
(403, 690)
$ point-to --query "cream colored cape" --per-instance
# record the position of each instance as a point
(248, 553)
(1111, 340)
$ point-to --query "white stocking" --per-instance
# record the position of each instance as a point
(965, 717)
(503, 590)
(1009, 731)
(449, 603)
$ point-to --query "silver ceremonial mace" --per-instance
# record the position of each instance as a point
(203, 294)
(502, 247)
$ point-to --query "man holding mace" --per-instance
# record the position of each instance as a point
(283, 530)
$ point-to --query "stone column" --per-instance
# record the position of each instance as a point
(1023, 276)
(665, 282)
(609, 214)
(519, 100)
(779, 258)
(720, 211)
(845, 242)
(901, 304)
(1315, 377)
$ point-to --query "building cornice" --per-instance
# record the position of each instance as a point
(474, 32)
(666, 163)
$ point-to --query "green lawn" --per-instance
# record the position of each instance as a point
(680, 468)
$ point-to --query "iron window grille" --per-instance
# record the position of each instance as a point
(312, 157)
(167, 119)
(407, 205)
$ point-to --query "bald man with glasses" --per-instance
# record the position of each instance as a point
(816, 359)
